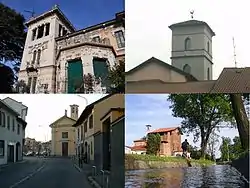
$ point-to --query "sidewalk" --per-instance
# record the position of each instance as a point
(10, 164)
(87, 170)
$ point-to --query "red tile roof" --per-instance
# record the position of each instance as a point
(140, 140)
(161, 130)
(138, 148)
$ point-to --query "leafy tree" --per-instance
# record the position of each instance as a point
(6, 79)
(117, 77)
(153, 144)
(201, 114)
(12, 39)
(241, 118)
(22, 87)
(88, 80)
(225, 149)
(212, 144)
(236, 148)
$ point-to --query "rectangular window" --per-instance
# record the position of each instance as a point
(40, 31)
(119, 35)
(78, 134)
(81, 132)
(29, 83)
(34, 85)
(8, 122)
(13, 125)
(18, 129)
(91, 122)
(38, 56)
(60, 30)
(64, 31)
(2, 148)
(34, 58)
(47, 27)
(3, 121)
(96, 39)
(34, 34)
(65, 135)
(85, 126)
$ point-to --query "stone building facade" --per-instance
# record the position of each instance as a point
(63, 134)
(57, 56)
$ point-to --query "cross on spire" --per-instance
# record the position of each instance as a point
(192, 14)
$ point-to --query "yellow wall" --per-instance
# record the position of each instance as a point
(64, 125)
(100, 109)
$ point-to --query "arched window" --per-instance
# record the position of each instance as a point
(187, 43)
(208, 47)
(34, 57)
(187, 69)
(208, 74)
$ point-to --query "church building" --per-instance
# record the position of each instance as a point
(57, 57)
(191, 57)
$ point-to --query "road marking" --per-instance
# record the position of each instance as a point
(78, 168)
(27, 177)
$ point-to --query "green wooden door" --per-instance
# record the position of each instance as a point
(75, 75)
(101, 70)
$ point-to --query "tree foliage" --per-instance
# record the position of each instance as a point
(230, 150)
(12, 36)
(201, 114)
(224, 148)
(117, 77)
(6, 79)
(153, 144)
(88, 80)
(12, 40)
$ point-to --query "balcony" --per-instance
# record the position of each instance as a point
(31, 67)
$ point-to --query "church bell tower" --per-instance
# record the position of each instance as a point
(192, 48)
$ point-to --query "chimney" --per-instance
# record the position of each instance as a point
(65, 113)
(74, 111)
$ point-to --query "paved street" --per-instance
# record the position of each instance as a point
(43, 173)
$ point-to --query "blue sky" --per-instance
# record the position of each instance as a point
(82, 13)
(153, 109)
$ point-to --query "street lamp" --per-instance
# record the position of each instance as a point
(86, 100)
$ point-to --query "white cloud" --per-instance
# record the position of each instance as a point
(147, 32)
(45, 109)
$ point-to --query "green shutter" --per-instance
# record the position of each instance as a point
(101, 70)
(75, 75)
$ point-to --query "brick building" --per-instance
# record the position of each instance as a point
(170, 140)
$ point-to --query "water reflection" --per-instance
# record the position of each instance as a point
(218, 176)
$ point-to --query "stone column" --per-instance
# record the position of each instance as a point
(44, 29)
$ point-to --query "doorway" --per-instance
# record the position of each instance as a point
(10, 154)
(106, 145)
(65, 149)
(18, 152)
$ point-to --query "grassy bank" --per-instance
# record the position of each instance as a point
(151, 161)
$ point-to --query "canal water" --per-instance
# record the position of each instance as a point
(217, 176)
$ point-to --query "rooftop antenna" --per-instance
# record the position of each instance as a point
(32, 13)
(192, 14)
(235, 62)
